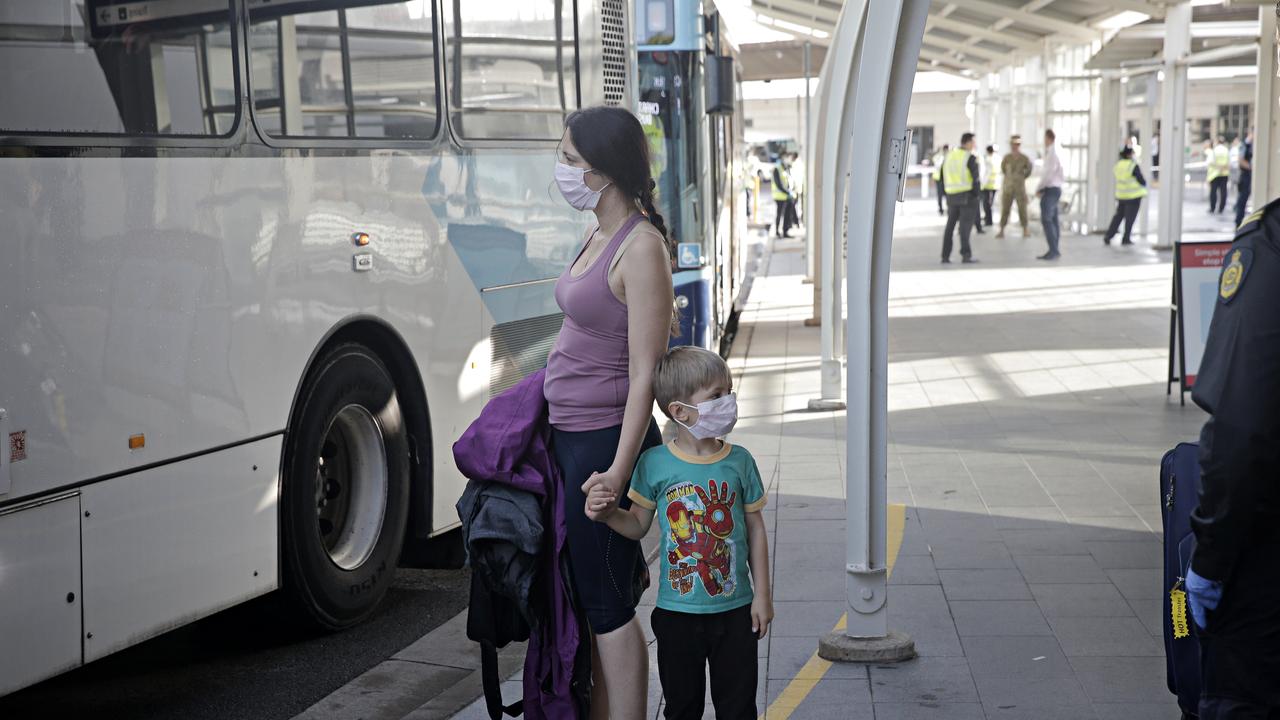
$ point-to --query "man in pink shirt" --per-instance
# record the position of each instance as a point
(1050, 193)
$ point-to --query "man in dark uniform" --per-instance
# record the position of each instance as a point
(1233, 585)
(1244, 185)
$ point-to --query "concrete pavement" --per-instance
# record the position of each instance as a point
(1027, 420)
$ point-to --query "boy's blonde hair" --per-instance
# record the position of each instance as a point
(684, 371)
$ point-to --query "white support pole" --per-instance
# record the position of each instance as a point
(1266, 136)
(982, 101)
(1173, 124)
(1148, 158)
(876, 100)
(866, 581)
(1004, 115)
(1105, 144)
(830, 173)
(809, 241)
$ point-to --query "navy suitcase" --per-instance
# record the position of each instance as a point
(1179, 494)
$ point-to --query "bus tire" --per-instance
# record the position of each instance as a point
(345, 493)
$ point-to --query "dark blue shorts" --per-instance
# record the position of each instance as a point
(603, 562)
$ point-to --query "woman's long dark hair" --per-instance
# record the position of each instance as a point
(613, 142)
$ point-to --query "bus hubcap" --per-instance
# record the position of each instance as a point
(351, 487)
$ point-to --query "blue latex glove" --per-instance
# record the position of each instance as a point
(1202, 595)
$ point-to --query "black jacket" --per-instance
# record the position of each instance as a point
(1239, 386)
(502, 532)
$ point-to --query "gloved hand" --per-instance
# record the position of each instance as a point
(1202, 595)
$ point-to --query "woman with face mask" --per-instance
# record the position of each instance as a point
(619, 312)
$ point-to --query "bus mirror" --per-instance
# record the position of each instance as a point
(720, 86)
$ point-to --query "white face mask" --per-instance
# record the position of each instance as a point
(573, 186)
(716, 418)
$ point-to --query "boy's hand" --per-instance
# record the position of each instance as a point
(600, 502)
(761, 616)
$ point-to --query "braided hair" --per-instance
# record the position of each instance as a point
(613, 142)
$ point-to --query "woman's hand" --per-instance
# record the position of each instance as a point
(613, 479)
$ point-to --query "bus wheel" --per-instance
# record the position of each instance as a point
(345, 496)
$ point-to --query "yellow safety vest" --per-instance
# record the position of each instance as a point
(1222, 159)
(956, 177)
(1219, 161)
(937, 165)
(993, 172)
(781, 193)
(1127, 186)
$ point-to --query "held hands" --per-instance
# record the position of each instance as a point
(761, 615)
(601, 501)
(612, 478)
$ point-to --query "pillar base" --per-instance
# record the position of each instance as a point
(894, 647)
(820, 404)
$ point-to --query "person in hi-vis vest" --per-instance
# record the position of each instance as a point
(781, 197)
(960, 182)
(990, 182)
(1131, 187)
(1218, 159)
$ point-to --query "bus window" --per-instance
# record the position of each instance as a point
(513, 68)
(666, 83)
(362, 70)
(170, 73)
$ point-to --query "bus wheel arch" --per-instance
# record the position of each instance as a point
(361, 383)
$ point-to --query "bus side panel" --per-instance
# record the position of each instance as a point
(167, 546)
(417, 285)
(40, 595)
(693, 297)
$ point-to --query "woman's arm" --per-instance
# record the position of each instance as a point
(645, 270)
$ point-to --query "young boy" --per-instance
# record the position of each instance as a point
(707, 495)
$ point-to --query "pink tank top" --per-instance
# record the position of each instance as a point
(588, 370)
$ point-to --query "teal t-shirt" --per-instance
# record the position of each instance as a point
(700, 504)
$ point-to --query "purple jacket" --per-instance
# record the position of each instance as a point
(511, 443)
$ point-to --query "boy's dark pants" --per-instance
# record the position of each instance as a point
(687, 643)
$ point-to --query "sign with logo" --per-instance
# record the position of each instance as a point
(689, 255)
(17, 446)
(1197, 268)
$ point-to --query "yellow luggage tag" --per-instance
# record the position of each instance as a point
(1178, 611)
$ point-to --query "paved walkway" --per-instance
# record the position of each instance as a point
(1027, 418)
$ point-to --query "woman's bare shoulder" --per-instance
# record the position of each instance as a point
(645, 240)
(642, 252)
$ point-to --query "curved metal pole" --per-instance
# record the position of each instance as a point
(876, 101)
(834, 137)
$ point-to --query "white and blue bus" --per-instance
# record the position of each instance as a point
(691, 109)
(263, 261)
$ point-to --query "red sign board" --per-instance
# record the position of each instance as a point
(1202, 255)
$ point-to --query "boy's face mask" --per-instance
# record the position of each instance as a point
(716, 418)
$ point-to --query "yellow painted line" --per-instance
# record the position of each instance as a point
(816, 668)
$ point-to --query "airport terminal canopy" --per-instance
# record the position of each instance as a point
(1220, 36)
(963, 37)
